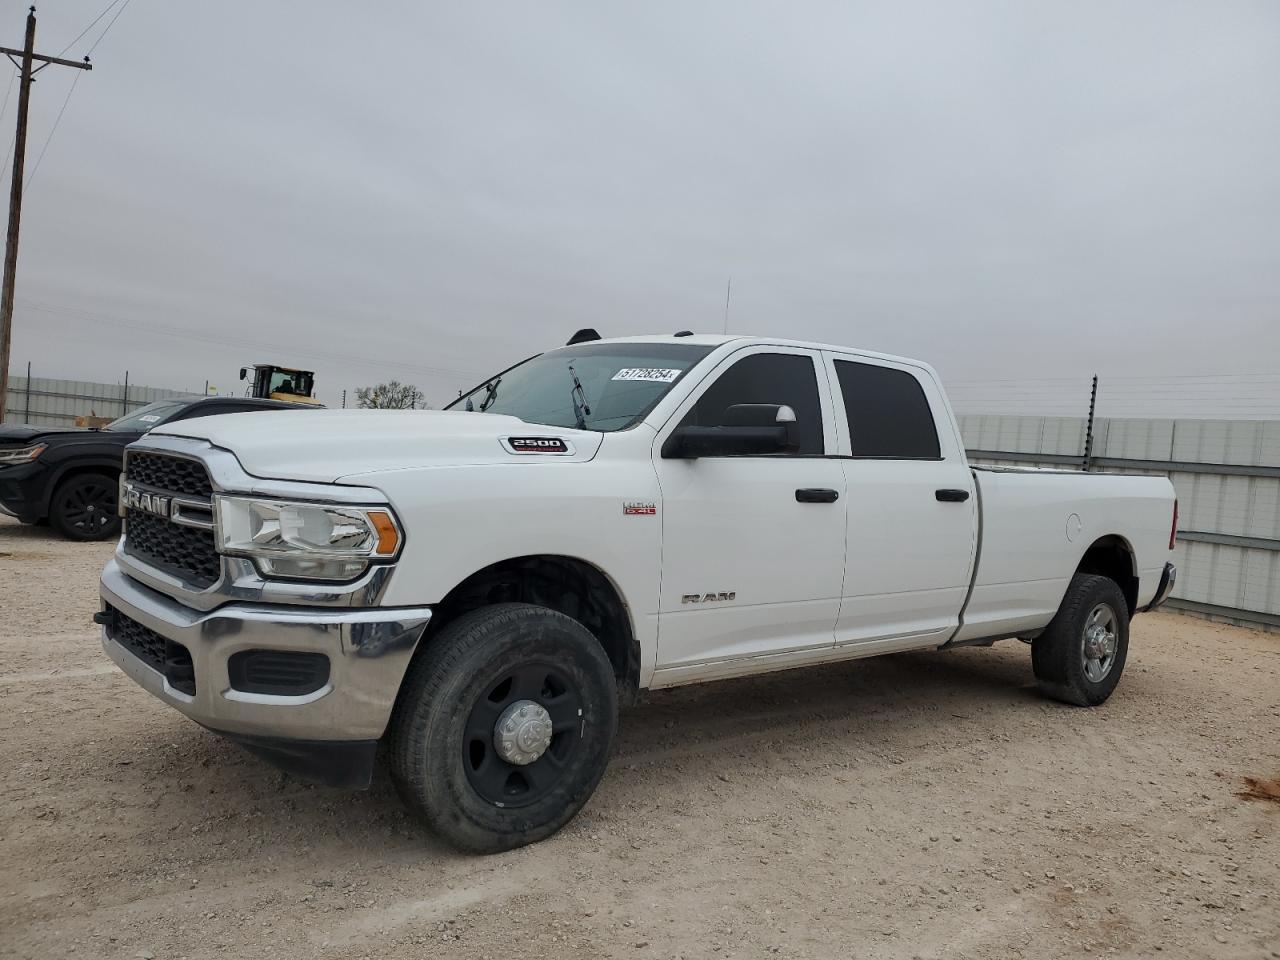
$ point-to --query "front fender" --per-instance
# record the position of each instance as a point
(76, 464)
(460, 519)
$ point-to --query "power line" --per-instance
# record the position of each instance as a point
(290, 349)
(1037, 381)
(8, 153)
(57, 120)
(52, 130)
(8, 90)
(108, 28)
(105, 11)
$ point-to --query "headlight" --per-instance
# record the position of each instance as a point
(22, 454)
(312, 541)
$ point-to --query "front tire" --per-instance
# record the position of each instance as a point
(504, 726)
(83, 507)
(1081, 654)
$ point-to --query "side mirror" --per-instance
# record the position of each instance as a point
(243, 373)
(758, 415)
(748, 429)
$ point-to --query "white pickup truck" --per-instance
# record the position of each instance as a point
(478, 587)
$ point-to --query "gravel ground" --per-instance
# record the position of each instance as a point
(921, 805)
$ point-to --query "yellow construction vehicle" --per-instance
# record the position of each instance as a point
(272, 382)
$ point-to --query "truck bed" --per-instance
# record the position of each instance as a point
(1036, 525)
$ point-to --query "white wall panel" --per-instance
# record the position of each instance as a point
(1240, 577)
(58, 402)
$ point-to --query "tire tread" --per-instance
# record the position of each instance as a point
(457, 651)
(1055, 654)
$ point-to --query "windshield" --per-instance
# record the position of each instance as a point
(593, 386)
(297, 382)
(153, 414)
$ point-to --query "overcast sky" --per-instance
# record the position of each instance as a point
(428, 192)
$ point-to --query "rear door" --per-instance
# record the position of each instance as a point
(752, 546)
(911, 513)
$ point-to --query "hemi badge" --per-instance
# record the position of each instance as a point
(639, 508)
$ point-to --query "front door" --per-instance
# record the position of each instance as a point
(752, 546)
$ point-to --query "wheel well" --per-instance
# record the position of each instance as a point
(565, 584)
(79, 470)
(1113, 557)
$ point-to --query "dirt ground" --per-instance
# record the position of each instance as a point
(921, 805)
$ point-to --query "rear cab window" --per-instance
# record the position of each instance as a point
(888, 413)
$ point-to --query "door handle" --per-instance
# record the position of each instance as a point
(951, 496)
(816, 495)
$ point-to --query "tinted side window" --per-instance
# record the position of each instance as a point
(780, 378)
(889, 415)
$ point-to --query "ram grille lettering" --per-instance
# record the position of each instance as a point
(136, 499)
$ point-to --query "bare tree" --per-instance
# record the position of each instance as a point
(391, 396)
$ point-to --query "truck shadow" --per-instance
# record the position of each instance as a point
(213, 792)
(863, 702)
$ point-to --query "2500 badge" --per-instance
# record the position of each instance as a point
(544, 445)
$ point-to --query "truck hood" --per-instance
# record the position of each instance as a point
(326, 445)
(24, 433)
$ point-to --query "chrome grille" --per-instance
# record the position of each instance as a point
(184, 552)
(188, 553)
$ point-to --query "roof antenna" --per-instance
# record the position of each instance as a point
(727, 291)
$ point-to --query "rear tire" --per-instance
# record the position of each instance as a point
(83, 507)
(1081, 654)
(527, 670)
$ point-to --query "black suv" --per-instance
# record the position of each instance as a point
(70, 476)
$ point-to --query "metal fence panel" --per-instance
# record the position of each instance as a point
(1063, 436)
(1255, 442)
(51, 402)
(1137, 439)
(1226, 478)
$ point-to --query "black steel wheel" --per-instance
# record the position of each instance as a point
(84, 507)
(521, 734)
(503, 726)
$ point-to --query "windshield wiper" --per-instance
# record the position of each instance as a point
(581, 409)
(490, 394)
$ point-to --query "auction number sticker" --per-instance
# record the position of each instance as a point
(149, 418)
(650, 374)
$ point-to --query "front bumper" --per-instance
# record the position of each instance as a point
(1167, 580)
(22, 491)
(368, 650)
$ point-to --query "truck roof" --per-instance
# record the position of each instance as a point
(717, 339)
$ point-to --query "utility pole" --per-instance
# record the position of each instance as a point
(29, 56)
